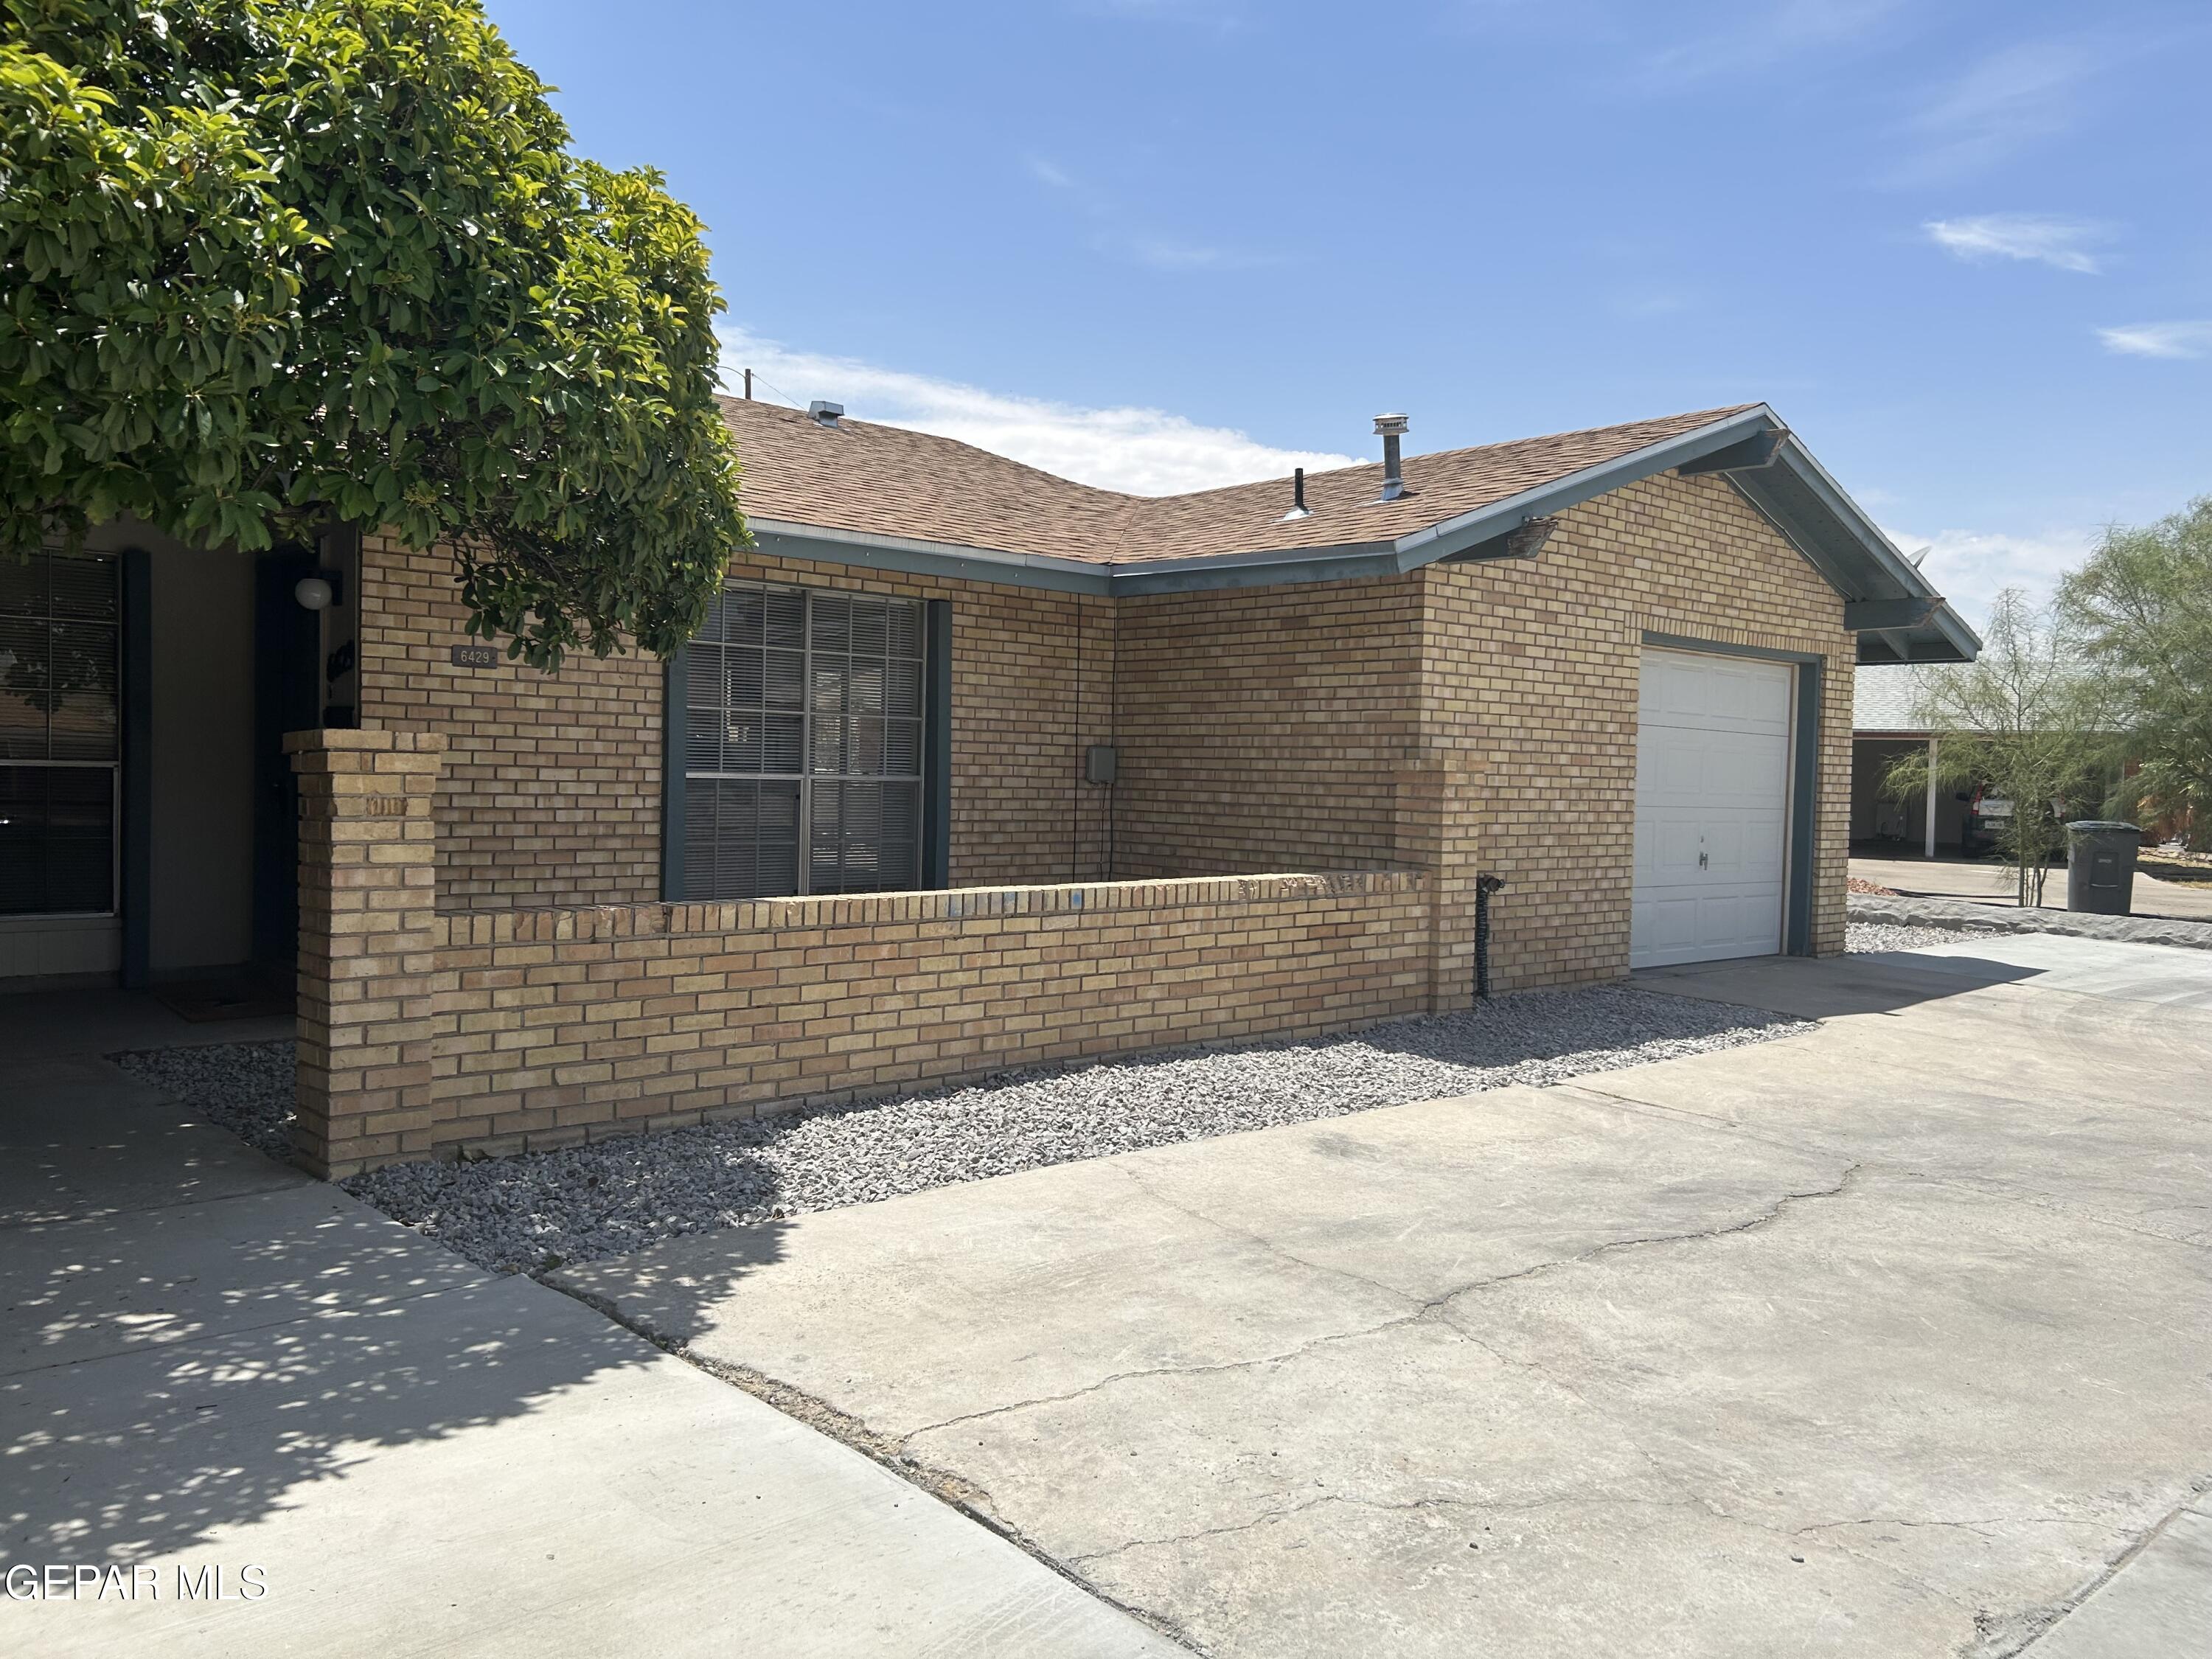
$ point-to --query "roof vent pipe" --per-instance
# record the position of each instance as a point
(1392, 428)
(824, 414)
(1298, 507)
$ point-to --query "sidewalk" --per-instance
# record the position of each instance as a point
(208, 1360)
(1985, 882)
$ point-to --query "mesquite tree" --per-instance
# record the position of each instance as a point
(264, 263)
(2026, 725)
(2143, 608)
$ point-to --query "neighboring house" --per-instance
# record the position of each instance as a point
(1137, 771)
(1887, 725)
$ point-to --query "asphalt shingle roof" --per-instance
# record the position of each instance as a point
(887, 481)
(1885, 698)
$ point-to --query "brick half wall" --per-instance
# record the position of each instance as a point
(424, 1035)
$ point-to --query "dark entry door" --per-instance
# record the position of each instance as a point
(286, 698)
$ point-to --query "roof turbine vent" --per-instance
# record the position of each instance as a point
(822, 413)
(1391, 428)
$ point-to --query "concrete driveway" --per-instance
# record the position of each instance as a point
(1891, 1340)
(218, 1375)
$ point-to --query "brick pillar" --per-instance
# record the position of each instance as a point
(368, 931)
(1437, 823)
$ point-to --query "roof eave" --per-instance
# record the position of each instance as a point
(783, 538)
(1796, 495)
(1788, 488)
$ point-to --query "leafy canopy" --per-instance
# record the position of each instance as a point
(2142, 608)
(267, 263)
(2024, 723)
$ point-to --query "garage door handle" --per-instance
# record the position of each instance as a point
(1702, 864)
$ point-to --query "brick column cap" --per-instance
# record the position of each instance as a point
(325, 739)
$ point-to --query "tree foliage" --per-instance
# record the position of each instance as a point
(2143, 608)
(268, 263)
(2023, 723)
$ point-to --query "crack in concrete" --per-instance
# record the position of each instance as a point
(1432, 1307)
(1388, 1506)
(1260, 1239)
(1973, 1525)
(1108, 1382)
(1766, 1218)
(955, 1491)
(2041, 1623)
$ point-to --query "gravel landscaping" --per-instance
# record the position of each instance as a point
(584, 1203)
(1967, 915)
(244, 1087)
(1860, 936)
(539, 1210)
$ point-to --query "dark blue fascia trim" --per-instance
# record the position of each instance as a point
(1785, 486)
(1860, 615)
(1804, 772)
(1511, 514)
(675, 689)
(1361, 560)
(1745, 454)
(916, 561)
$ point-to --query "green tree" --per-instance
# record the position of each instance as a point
(2142, 608)
(268, 263)
(2022, 722)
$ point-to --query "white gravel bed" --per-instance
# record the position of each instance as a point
(536, 1211)
(244, 1087)
(1860, 936)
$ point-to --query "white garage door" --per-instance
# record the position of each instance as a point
(1712, 812)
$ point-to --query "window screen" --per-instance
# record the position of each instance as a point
(57, 734)
(802, 745)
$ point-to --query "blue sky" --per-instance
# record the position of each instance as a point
(1961, 245)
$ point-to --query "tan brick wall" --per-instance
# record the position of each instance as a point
(1259, 730)
(1534, 672)
(552, 789)
(551, 794)
(368, 929)
(423, 1034)
(1262, 728)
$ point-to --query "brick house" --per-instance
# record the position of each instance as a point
(973, 766)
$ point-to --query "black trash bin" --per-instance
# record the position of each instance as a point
(2101, 867)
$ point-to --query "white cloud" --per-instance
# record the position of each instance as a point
(1970, 567)
(2051, 241)
(1146, 451)
(2008, 100)
(1767, 35)
(2189, 339)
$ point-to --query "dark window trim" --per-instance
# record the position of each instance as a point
(1804, 772)
(937, 744)
(675, 693)
(137, 804)
(936, 755)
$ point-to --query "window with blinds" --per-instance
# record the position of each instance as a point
(59, 746)
(802, 745)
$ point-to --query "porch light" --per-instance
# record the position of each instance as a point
(313, 593)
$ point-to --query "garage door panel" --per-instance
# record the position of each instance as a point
(1712, 778)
